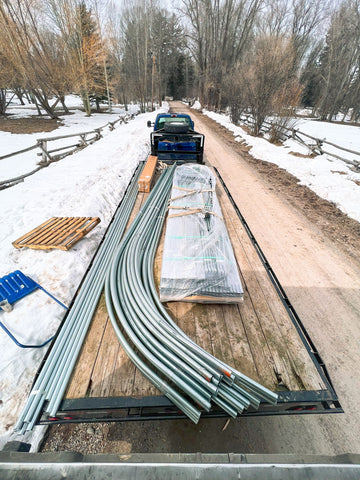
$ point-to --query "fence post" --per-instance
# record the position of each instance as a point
(45, 157)
(319, 144)
(44, 149)
(82, 140)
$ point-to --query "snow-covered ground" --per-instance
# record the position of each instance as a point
(88, 183)
(346, 136)
(91, 183)
(329, 178)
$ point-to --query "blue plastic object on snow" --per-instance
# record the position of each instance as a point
(13, 287)
(16, 285)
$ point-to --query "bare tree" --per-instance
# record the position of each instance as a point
(33, 51)
(115, 39)
(298, 19)
(7, 81)
(275, 19)
(83, 48)
(265, 79)
(218, 35)
(339, 60)
(149, 50)
(136, 20)
(284, 102)
(307, 16)
(352, 99)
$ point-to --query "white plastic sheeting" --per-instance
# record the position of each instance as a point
(198, 262)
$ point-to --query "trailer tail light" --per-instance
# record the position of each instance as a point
(304, 408)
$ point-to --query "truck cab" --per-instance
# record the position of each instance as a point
(181, 119)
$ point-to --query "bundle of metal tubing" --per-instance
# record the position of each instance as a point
(53, 378)
(176, 365)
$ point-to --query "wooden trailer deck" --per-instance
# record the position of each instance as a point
(259, 337)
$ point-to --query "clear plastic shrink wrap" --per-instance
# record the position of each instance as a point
(198, 262)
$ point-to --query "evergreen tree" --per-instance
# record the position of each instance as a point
(89, 59)
(311, 77)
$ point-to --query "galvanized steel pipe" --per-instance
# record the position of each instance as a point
(53, 377)
(131, 297)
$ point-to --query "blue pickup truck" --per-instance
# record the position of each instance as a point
(174, 139)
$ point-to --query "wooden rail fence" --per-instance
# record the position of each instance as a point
(50, 156)
(317, 147)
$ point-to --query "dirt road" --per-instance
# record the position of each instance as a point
(314, 251)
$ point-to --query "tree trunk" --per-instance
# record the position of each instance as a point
(29, 97)
(3, 103)
(19, 93)
(42, 99)
(86, 102)
(107, 86)
(62, 100)
(34, 100)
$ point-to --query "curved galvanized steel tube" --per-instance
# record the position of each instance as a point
(132, 295)
(221, 366)
(149, 320)
(178, 400)
(87, 309)
(114, 303)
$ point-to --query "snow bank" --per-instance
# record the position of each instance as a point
(197, 105)
(329, 178)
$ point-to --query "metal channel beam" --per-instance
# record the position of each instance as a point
(181, 466)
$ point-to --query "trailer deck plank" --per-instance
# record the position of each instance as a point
(81, 377)
(294, 368)
(201, 320)
(142, 386)
(256, 336)
(181, 312)
(123, 375)
(220, 337)
(242, 351)
(259, 323)
(103, 372)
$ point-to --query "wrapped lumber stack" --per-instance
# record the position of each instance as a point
(198, 262)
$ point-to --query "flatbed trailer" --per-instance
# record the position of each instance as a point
(261, 337)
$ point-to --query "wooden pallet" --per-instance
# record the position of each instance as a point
(57, 232)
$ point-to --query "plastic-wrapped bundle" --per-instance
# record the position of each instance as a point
(198, 262)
